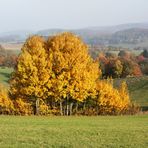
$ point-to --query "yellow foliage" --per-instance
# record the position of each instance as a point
(31, 74)
(60, 70)
(111, 100)
(22, 108)
(6, 105)
(124, 95)
(44, 109)
(74, 71)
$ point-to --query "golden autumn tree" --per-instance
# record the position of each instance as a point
(74, 72)
(31, 74)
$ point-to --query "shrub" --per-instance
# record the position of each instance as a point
(6, 105)
(22, 107)
(110, 100)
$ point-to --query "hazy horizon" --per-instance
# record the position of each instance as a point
(47, 14)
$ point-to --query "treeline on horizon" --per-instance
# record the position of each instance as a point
(57, 76)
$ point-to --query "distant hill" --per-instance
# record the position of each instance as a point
(95, 31)
(135, 34)
(48, 32)
(113, 29)
(15, 36)
(131, 36)
(11, 39)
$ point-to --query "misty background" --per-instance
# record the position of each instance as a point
(120, 23)
(67, 14)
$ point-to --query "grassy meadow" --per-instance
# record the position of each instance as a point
(102, 131)
(5, 74)
(137, 88)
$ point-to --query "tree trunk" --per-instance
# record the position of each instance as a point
(97, 108)
(61, 109)
(76, 107)
(67, 106)
(71, 105)
(37, 106)
(84, 106)
(64, 109)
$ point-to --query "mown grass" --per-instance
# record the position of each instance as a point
(77, 132)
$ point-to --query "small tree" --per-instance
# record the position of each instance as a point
(127, 67)
(113, 68)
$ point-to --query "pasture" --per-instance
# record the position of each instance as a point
(138, 89)
(74, 132)
(5, 74)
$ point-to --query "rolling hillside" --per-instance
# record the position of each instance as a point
(130, 36)
(5, 74)
(138, 89)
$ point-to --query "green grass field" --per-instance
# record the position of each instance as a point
(5, 74)
(77, 132)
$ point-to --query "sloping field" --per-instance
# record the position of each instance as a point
(138, 89)
(5, 74)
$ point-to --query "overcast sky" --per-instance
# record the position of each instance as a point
(70, 14)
